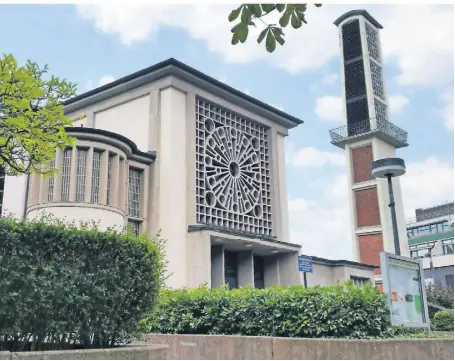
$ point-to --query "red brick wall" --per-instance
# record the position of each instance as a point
(367, 207)
(370, 246)
(362, 158)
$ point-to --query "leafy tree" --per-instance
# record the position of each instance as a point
(272, 33)
(32, 122)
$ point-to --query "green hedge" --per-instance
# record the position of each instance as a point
(442, 321)
(65, 287)
(335, 311)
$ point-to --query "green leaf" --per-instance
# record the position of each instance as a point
(301, 17)
(255, 9)
(262, 35)
(234, 14)
(301, 7)
(246, 16)
(270, 42)
(284, 21)
(268, 7)
(280, 7)
(295, 21)
(278, 35)
(242, 32)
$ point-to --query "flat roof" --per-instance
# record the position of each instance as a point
(173, 67)
(361, 12)
(341, 262)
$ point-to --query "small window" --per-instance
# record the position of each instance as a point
(80, 175)
(135, 227)
(66, 174)
(134, 192)
(95, 177)
(360, 281)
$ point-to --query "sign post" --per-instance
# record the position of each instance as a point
(305, 265)
(404, 285)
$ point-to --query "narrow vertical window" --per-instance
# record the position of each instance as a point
(95, 177)
(134, 226)
(66, 174)
(134, 192)
(109, 176)
(50, 184)
(80, 175)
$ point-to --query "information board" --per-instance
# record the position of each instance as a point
(305, 264)
(404, 286)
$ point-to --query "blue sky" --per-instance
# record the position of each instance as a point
(89, 44)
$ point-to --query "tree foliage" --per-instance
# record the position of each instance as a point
(67, 286)
(293, 14)
(334, 311)
(32, 121)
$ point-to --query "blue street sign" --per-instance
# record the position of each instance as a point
(305, 264)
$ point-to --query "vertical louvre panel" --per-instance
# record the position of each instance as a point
(109, 177)
(372, 42)
(50, 184)
(95, 177)
(80, 175)
(66, 174)
(352, 47)
(134, 192)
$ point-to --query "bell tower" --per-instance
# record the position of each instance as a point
(367, 136)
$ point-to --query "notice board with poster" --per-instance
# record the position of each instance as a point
(404, 285)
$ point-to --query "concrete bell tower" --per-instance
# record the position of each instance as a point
(367, 136)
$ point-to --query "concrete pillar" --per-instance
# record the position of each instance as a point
(245, 268)
(88, 176)
(115, 183)
(289, 271)
(103, 178)
(271, 271)
(172, 154)
(217, 266)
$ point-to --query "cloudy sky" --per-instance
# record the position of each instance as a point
(93, 44)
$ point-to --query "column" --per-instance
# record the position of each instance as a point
(103, 177)
(245, 268)
(88, 176)
(115, 182)
(172, 154)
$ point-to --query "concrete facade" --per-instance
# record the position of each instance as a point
(158, 111)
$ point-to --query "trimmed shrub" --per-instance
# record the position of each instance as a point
(334, 311)
(442, 321)
(63, 286)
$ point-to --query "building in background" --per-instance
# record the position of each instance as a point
(430, 237)
(367, 136)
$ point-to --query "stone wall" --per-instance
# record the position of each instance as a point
(139, 352)
(205, 347)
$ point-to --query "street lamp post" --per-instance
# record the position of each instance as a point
(389, 168)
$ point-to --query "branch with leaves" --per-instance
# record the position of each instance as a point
(272, 33)
(32, 121)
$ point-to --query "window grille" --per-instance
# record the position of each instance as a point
(50, 183)
(80, 174)
(95, 177)
(135, 227)
(66, 174)
(109, 176)
(134, 192)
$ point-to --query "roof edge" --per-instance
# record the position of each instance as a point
(106, 133)
(342, 262)
(360, 12)
(173, 63)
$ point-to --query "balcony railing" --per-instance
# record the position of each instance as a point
(381, 127)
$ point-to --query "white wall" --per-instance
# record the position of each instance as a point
(130, 119)
(105, 217)
(439, 261)
(14, 195)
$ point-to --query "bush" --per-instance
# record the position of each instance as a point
(443, 321)
(335, 311)
(440, 295)
(66, 287)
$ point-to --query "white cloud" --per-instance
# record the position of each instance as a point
(423, 56)
(320, 222)
(106, 79)
(330, 78)
(447, 109)
(397, 103)
(312, 157)
(329, 108)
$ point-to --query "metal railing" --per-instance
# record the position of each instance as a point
(366, 126)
